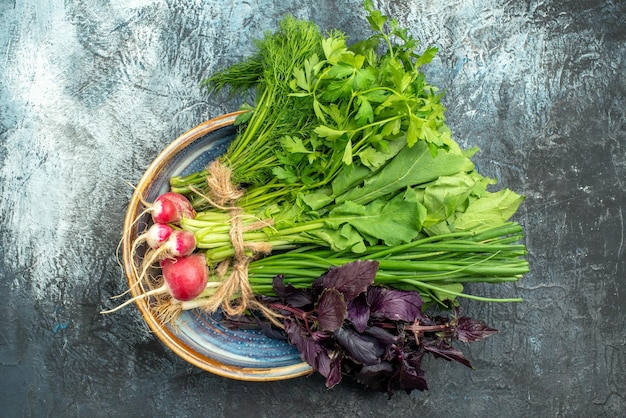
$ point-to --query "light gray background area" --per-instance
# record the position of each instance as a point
(91, 91)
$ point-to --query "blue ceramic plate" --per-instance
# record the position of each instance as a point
(201, 339)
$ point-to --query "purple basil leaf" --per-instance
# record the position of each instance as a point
(376, 376)
(359, 313)
(469, 330)
(320, 336)
(308, 348)
(323, 363)
(331, 310)
(329, 366)
(291, 295)
(411, 375)
(384, 337)
(441, 349)
(363, 349)
(352, 278)
(396, 305)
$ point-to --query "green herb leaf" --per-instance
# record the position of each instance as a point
(375, 18)
(347, 153)
(489, 210)
(393, 222)
(329, 133)
(293, 144)
(445, 196)
(365, 113)
(300, 78)
(427, 56)
(412, 166)
(334, 47)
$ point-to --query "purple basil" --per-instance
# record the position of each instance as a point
(359, 312)
(345, 326)
(293, 296)
(361, 348)
(331, 310)
(351, 279)
(395, 305)
(469, 330)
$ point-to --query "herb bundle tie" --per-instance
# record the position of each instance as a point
(235, 295)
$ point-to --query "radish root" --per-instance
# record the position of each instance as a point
(159, 290)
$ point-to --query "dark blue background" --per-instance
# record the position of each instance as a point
(91, 91)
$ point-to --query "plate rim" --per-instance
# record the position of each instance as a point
(167, 336)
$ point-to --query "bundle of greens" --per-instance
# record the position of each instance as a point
(343, 162)
(345, 155)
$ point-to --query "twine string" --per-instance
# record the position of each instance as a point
(235, 295)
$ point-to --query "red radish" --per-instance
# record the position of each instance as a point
(165, 211)
(171, 207)
(156, 235)
(168, 207)
(185, 278)
(179, 243)
(184, 205)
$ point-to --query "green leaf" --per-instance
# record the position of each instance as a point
(401, 33)
(340, 70)
(284, 216)
(244, 117)
(336, 114)
(312, 66)
(445, 196)
(412, 166)
(371, 158)
(347, 154)
(299, 94)
(319, 110)
(300, 78)
(334, 47)
(390, 101)
(412, 130)
(430, 135)
(391, 128)
(490, 210)
(316, 199)
(376, 19)
(348, 178)
(366, 113)
(427, 56)
(364, 78)
(329, 133)
(285, 173)
(336, 90)
(293, 144)
(442, 296)
(399, 77)
(376, 95)
(339, 240)
(393, 222)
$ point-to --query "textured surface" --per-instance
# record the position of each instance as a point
(91, 91)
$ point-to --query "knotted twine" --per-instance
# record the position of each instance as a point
(223, 195)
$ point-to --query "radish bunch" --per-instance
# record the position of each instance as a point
(185, 273)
